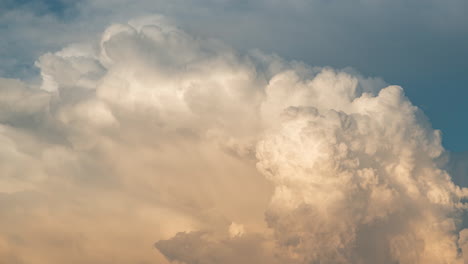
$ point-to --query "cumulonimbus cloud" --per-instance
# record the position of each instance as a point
(151, 134)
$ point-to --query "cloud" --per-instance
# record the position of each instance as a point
(151, 134)
(360, 177)
(207, 248)
(401, 41)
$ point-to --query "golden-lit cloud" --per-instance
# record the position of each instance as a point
(151, 145)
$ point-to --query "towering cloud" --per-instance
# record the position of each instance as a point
(153, 135)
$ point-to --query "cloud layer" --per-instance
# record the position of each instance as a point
(150, 134)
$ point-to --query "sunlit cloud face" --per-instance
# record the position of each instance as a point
(150, 145)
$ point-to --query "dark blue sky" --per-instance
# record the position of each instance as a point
(420, 45)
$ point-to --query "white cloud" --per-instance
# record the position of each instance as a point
(152, 134)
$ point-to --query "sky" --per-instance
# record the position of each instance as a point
(216, 131)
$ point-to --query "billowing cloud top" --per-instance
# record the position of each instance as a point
(153, 135)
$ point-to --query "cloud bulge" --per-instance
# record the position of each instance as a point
(150, 135)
